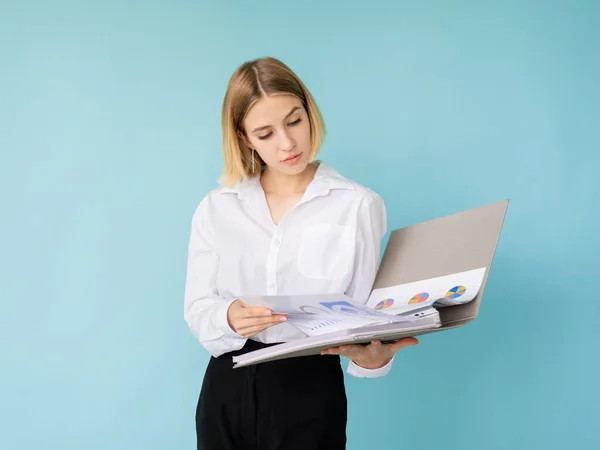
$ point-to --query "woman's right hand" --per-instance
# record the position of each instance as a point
(248, 321)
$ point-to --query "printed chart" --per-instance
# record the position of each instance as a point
(445, 290)
(418, 298)
(455, 292)
(384, 304)
(321, 314)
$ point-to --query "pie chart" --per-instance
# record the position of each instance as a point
(455, 292)
(383, 304)
(418, 298)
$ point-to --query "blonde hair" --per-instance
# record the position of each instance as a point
(250, 82)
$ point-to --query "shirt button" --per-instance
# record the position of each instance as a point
(277, 242)
(272, 286)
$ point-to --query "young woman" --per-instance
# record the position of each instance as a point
(281, 223)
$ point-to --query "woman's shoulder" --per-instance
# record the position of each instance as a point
(207, 204)
(352, 189)
(368, 204)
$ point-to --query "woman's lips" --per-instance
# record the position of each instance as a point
(292, 159)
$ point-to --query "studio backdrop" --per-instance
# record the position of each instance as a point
(110, 136)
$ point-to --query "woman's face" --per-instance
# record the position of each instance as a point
(278, 128)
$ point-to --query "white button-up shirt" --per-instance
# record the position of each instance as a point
(328, 243)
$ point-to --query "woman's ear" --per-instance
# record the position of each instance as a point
(244, 139)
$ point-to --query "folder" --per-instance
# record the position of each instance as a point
(462, 242)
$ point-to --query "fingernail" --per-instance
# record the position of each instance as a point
(282, 319)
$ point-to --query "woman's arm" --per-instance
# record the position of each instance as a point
(371, 227)
(373, 360)
(204, 310)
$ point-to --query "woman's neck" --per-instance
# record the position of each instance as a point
(281, 184)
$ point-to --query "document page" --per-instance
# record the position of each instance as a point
(321, 314)
(447, 290)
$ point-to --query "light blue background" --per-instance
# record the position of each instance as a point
(110, 135)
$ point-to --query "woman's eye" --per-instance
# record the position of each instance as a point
(266, 136)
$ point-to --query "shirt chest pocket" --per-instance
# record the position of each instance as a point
(326, 251)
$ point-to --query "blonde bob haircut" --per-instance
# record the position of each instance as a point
(250, 82)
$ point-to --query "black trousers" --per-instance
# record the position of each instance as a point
(295, 403)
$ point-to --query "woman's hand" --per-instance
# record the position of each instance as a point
(248, 321)
(372, 356)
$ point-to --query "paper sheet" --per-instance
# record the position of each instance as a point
(321, 314)
(447, 290)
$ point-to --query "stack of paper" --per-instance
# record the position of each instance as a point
(318, 315)
(331, 319)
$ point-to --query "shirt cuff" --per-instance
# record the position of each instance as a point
(222, 322)
(362, 372)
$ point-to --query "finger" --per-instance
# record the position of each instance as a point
(250, 313)
(330, 351)
(252, 330)
(255, 312)
(243, 325)
(402, 343)
(257, 321)
(351, 350)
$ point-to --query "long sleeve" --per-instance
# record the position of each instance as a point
(371, 227)
(204, 310)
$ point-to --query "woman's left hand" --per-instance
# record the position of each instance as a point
(372, 356)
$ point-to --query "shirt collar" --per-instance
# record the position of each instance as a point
(325, 179)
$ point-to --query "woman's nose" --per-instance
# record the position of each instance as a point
(286, 142)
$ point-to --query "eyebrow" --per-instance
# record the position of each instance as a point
(294, 109)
